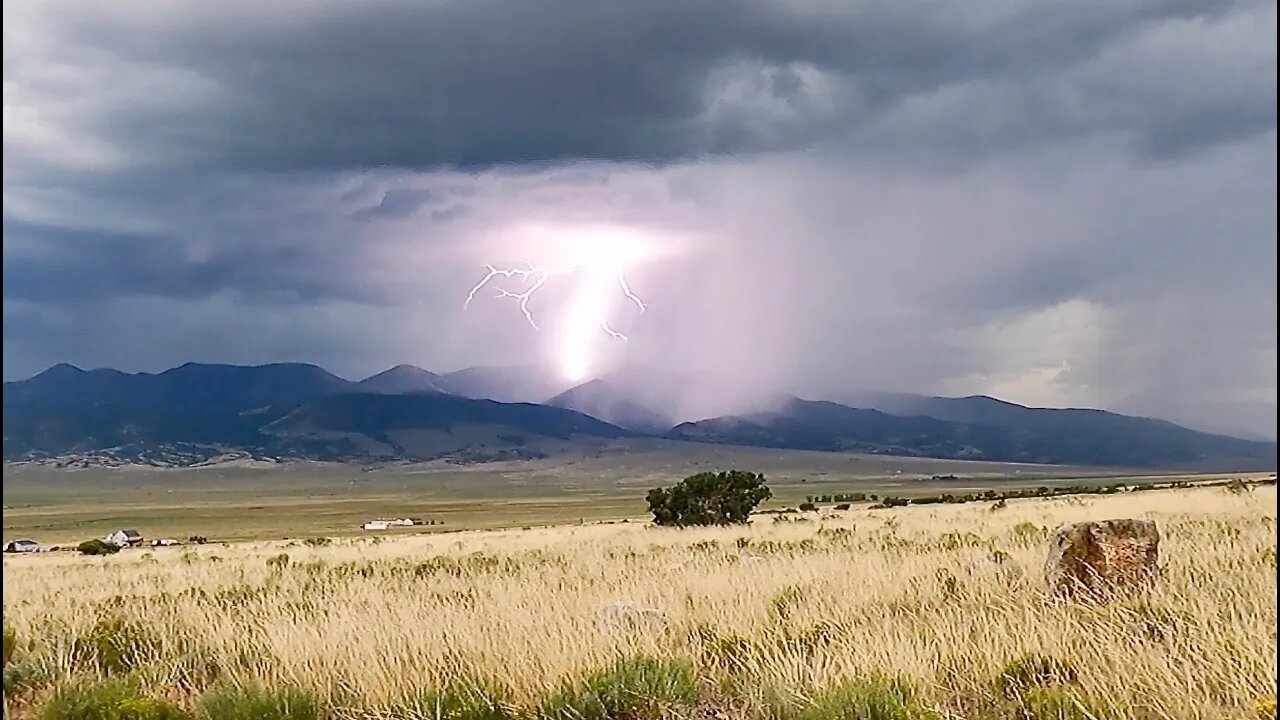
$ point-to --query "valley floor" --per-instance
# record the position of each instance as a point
(788, 617)
(293, 500)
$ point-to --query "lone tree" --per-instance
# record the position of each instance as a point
(709, 498)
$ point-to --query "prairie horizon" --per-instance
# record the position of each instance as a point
(236, 502)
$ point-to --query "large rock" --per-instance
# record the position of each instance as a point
(630, 616)
(1099, 558)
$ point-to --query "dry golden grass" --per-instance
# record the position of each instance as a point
(918, 592)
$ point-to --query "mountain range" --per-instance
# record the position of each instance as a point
(198, 412)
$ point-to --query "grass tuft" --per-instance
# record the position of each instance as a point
(114, 699)
(639, 688)
(463, 699)
(250, 701)
(116, 645)
(10, 644)
(1033, 671)
(873, 697)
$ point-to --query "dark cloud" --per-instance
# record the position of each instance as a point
(1057, 202)
(332, 86)
(84, 266)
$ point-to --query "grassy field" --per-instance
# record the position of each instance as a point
(918, 612)
(309, 499)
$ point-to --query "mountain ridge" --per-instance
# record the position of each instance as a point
(282, 410)
(1113, 440)
(291, 410)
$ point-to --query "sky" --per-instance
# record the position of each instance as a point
(1056, 202)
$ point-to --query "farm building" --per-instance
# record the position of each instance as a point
(21, 545)
(400, 522)
(124, 538)
(164, 542)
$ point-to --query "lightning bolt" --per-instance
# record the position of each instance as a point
(612, 333)
(539, 276)
(626, 290)
(535, 277)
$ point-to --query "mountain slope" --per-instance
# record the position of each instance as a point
(1085, 429)
(69, 410)
(287, 410)
(525, 383)
(241, 387)
(987, 410)
(424, 426)
(1112, 441)
(398, 380)
(600, 399)
(192, 384)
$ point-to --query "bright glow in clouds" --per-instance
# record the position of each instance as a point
(598, 259)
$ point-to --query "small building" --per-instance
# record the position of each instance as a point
(21, 545)
(124, 538)
(164, 542)
(387, 524)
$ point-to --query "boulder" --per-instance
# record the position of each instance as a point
(630, 616)
(1099, 558)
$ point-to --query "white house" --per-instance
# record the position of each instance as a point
(382, 524)
(21, 545)
(164, 542)
(124, 538)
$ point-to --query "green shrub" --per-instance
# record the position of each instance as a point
(1029, 532)
(638, 688)
(709, 498)
(1055, 703)
(464, 699)
(875, 697)
(111, 700)
(241, 703)
(10, 645)
(1032, 671)
(278, 562)
(97, 547)
(24, 675)
(116, 645)
(317, 542)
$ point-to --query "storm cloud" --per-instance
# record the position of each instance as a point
(1058, 203)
